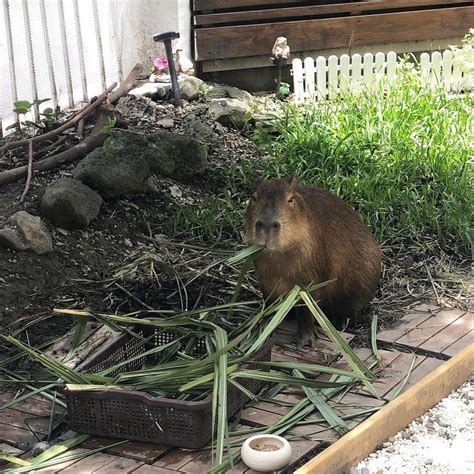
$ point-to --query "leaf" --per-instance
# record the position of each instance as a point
(23, 104)
(76, 341)
(48, 111)
(111, 121)
(14, 460)
(40, 101)
(12, 126)
(319, 401)
(373, 339)
(19, 110)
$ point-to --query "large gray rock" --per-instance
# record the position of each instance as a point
(126, 162)
(176, 156)
(26, 232)
(204, 134)
(222, 91)
(70, 204)
(232, 113)
(190, 87)
(119, 167)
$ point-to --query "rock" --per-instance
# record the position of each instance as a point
(429, 461)
(230, 112)
(69, 204)
(354, 470)
(176, 156)
(222, 91)
(39, 448)
(151, 89)
(119, 167)
(165, 123)
(26, 232)
(204, 134)
(191, 87)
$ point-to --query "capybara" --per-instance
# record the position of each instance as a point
(312, 236)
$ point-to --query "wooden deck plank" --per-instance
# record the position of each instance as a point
(39, 425)
(144, 452)
(17, 437)
(124, 465)
(89, 464)
(449, 334)
(405, 324)
(430, 327)
(63, 465)
(33, 405)
(176, 459)
(460, 344)
(145, 469)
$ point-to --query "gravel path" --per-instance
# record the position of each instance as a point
(441, 441)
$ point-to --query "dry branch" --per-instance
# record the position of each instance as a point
(87, 110)
(126, 85)
(93, 140)
(29, 170)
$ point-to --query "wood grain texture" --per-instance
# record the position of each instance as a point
(257, 40)
(362, 440)
(283, 13)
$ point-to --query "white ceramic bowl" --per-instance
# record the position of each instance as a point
(257, 453)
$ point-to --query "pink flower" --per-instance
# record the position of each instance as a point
(161, 64)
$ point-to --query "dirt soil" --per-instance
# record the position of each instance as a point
(73, 275)
(78, 273)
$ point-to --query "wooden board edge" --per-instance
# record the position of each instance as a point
(356, 445)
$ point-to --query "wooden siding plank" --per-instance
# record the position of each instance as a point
(283, 13)
(219, 4)
(257, 40)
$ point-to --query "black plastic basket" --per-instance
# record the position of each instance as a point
(139, 416)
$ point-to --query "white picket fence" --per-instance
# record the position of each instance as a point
(325, 78)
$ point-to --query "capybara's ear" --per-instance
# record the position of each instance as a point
(293, 182)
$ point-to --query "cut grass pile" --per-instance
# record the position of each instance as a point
(232, 334)
(401, 156)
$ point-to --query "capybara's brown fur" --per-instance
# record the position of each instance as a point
(312, 236)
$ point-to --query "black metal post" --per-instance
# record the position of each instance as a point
(166, 39)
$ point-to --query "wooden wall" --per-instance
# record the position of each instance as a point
(226, 29)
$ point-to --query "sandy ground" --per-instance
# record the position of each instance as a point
(441, 441)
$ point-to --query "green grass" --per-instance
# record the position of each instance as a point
(401, 158)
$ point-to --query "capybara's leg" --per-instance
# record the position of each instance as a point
(305, 332)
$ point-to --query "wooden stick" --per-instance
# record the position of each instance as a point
(126, 85)
(87, 110)
(30, 171)
(356, 445)
(93, 140)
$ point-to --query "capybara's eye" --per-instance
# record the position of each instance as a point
(292, 198)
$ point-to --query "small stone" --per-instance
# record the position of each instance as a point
(69, 204)
(232, 113)
(406, 435)
(354, 470)
(191, 87)
(364, 470)
(24, 231)
(390, 449)
(39, 448)
(151, 89)
(428, 461)
(165, 123)
(391, 439)
(222, 91)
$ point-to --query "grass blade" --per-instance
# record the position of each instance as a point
(373, 340)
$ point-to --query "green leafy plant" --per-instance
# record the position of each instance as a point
(283, 90)
(110, 124)
(22, 107)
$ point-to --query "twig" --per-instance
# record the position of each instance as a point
(30, 171)
(93, 140)
(87, 110)
(80, 129)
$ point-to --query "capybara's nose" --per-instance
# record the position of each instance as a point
(263, 225)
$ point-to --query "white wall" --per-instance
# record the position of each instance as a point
(125, 28)
(138, 20)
